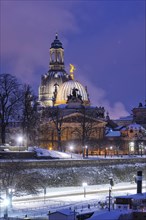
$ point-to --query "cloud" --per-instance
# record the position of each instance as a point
(111, 54)
(27, 29)
(98, 97)
(114, 60)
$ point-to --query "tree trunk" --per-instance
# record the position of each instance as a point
(59, 141)
(3, 134)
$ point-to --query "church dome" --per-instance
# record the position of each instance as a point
(66, 89)
(47, 87)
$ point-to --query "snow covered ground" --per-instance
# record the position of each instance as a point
(68, 155)
(57, 198)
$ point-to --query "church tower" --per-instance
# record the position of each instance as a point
(55, 77)
(56, 55)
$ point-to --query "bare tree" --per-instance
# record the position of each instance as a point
(54, 115)
(17, 180)
(30, 115)
(87, 126)
(10, 97)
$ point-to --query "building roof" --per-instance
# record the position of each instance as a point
(135, 126)
(66, 212)
(127, 118)
(112, 133)
(133, 196)
(106, 215)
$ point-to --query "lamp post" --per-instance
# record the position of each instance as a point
(131, 147)
(111, 150)
(71, 149)
(84, 186)
(111, 181)
(20, 139)
(6, 204)
(110, 190)
(86, 151)
(109, 208)
(10, 191)
(44, 194)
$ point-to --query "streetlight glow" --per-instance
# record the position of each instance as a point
(6, 202)
(20, 139)
(71, 149)
(131, 147)
(84, 186)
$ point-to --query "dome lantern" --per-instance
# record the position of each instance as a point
(56, 55)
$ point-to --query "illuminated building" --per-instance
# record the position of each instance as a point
(57, 84)
(58, 88)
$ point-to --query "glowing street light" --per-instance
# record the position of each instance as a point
(86, 151)
(84, 186)
(71, 149)
(111, 148)
(11, 192)
(20, 139)
(6, 203)
(131, 147)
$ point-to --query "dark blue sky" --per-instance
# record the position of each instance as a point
(105, 40)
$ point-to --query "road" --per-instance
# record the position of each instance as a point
(70, 194)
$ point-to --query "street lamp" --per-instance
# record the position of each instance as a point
(86, 151)
(109, 208)
(10, 191)
(44, 193)
(71, 149)
(111, 181)
(131, 147)
(6, 204)
(20, 139)
(84, 186)
(111, 150)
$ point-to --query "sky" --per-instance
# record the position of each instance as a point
(104, 39)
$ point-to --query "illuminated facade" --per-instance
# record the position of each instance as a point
(69, 116)
(57, 84)
(139, 114)
(77, 126)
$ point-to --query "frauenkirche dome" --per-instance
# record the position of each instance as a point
(66, 89)
(57, 84)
